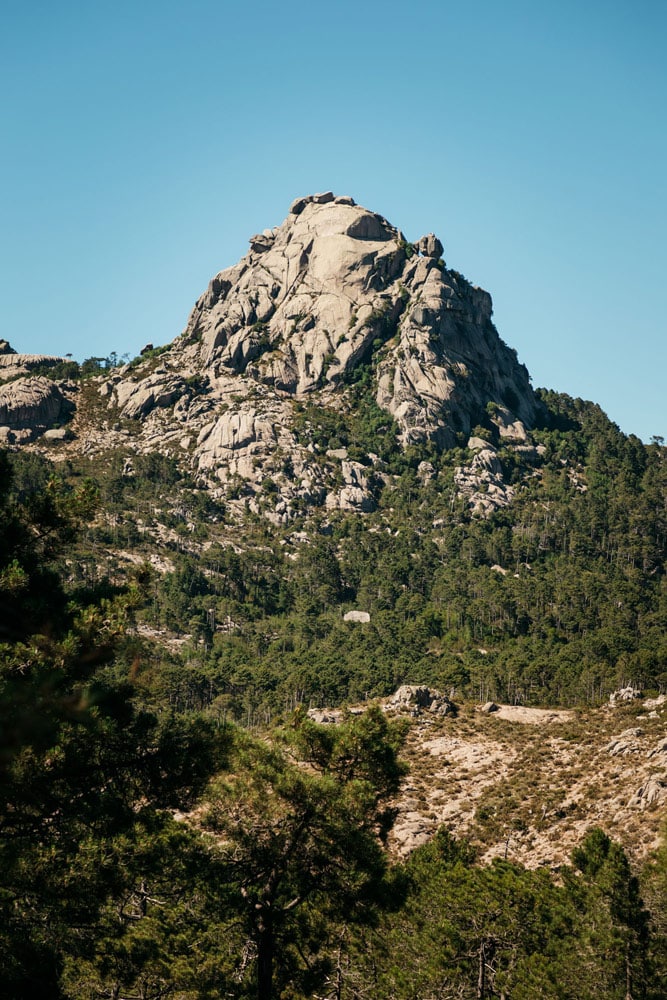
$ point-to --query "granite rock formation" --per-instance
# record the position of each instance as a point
(333, 290)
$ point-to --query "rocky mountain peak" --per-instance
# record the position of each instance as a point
(335, 283)
(333, 297)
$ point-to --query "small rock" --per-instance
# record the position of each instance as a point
(654, 790)
(624, 695)
(57, 434)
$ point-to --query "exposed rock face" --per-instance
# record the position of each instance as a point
(416, 698)
(483, 481)
(29, 406)
(13, 364)
(334, 288)
(137, 399)
(309, 301)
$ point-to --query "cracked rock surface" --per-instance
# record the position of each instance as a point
(332, 289)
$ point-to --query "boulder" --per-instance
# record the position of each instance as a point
(260, 242)
(416, 698)
(624, 695)
(31, 404)
(356, 616)
(429, 246)
(57, 434)
(299, 204)
(426, 471)
(412, 694)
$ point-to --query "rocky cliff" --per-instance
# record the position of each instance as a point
(333, 298)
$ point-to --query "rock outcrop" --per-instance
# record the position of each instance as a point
(335, 284)
(28, 406)
(416, 698)
(332, 296)
(14, 365)
(624, 695)
(361, 617)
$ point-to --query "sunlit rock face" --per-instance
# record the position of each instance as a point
(333, 293)
(334, 283)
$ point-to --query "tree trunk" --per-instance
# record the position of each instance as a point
(481, 972)
(628, 973)
(265, 949)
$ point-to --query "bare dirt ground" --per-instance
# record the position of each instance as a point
(533, 716)
(528, 783)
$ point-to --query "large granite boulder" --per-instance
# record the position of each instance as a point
(31, 404)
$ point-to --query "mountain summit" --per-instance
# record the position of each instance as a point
(334, 309)
(336, 284)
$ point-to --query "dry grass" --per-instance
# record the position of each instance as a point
(528, 786)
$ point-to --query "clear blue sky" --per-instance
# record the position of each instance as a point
(144, 142)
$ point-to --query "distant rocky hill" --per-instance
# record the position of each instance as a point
(332, 308)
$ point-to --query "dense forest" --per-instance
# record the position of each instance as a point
(174, 825)
(559, 598)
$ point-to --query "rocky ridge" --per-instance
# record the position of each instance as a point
(334, 296)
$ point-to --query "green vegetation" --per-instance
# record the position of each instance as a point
(171, 827)
(557, 599)
(87, 775)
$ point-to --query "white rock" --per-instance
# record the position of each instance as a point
(356, 616)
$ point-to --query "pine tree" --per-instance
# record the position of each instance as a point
(301, 828)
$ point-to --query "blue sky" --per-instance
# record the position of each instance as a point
(144, 142)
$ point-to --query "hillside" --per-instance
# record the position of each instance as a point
(338, 480)
(340, 427)
(526, 784)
